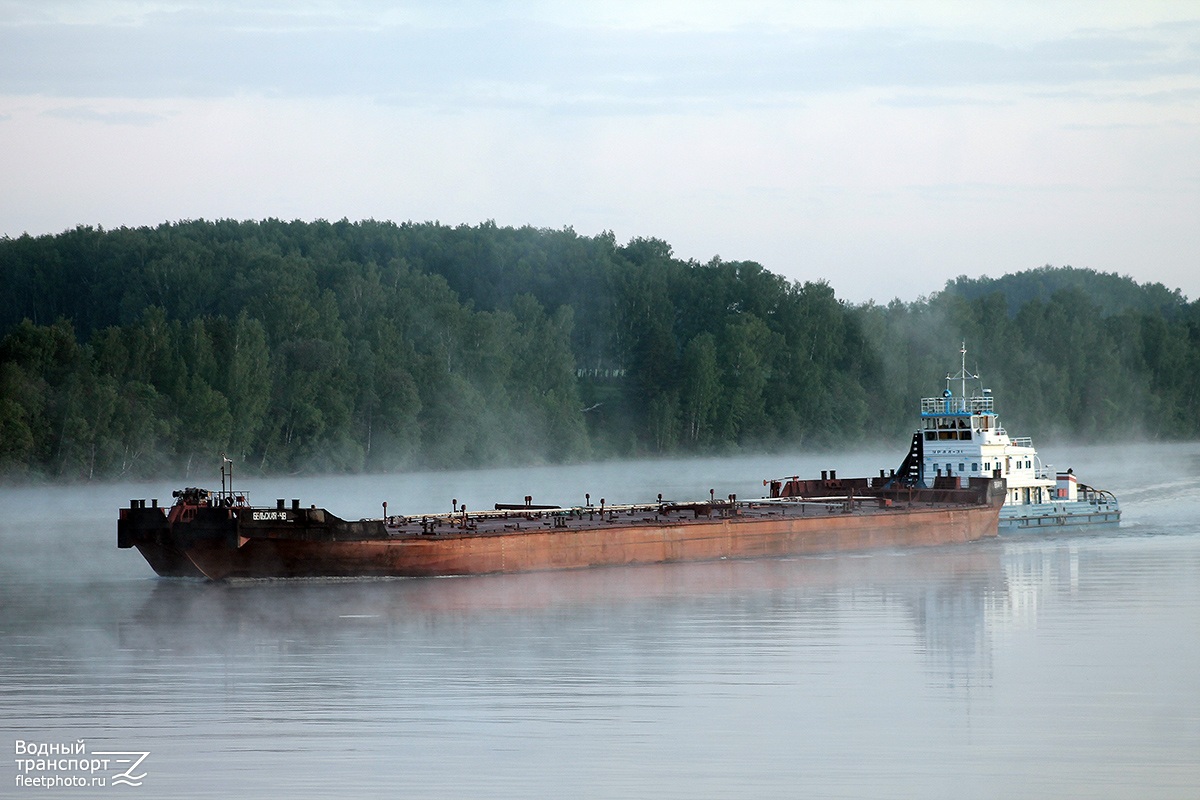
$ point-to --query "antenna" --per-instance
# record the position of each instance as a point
(963, 374)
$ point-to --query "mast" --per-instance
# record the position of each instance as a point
(962, 375)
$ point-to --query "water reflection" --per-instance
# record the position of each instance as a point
(948, 602)
(943, 596)
(1033, 571)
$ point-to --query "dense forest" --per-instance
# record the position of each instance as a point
(296, 346)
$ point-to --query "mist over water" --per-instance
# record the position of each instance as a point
(1060, 665)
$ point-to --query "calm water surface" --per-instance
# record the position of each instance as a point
(1034, 666)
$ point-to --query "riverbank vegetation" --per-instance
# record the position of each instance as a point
(295, 346)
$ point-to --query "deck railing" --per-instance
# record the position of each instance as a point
(958, 405)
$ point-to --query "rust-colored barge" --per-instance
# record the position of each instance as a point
(219, 535)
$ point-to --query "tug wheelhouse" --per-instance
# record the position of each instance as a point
(962, 437)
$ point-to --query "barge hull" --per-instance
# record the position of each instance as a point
(216, 537)
(574, 549)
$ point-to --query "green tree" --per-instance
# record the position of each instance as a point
(701, 388)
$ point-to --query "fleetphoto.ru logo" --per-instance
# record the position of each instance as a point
(50, 764)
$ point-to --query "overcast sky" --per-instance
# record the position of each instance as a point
(884, 147)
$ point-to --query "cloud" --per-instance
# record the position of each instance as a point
(929, 101)
(525, 62)
(88, 114)
(1182, 96)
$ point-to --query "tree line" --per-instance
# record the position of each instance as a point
(318, 346)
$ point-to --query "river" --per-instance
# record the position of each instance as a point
(1035, 665)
